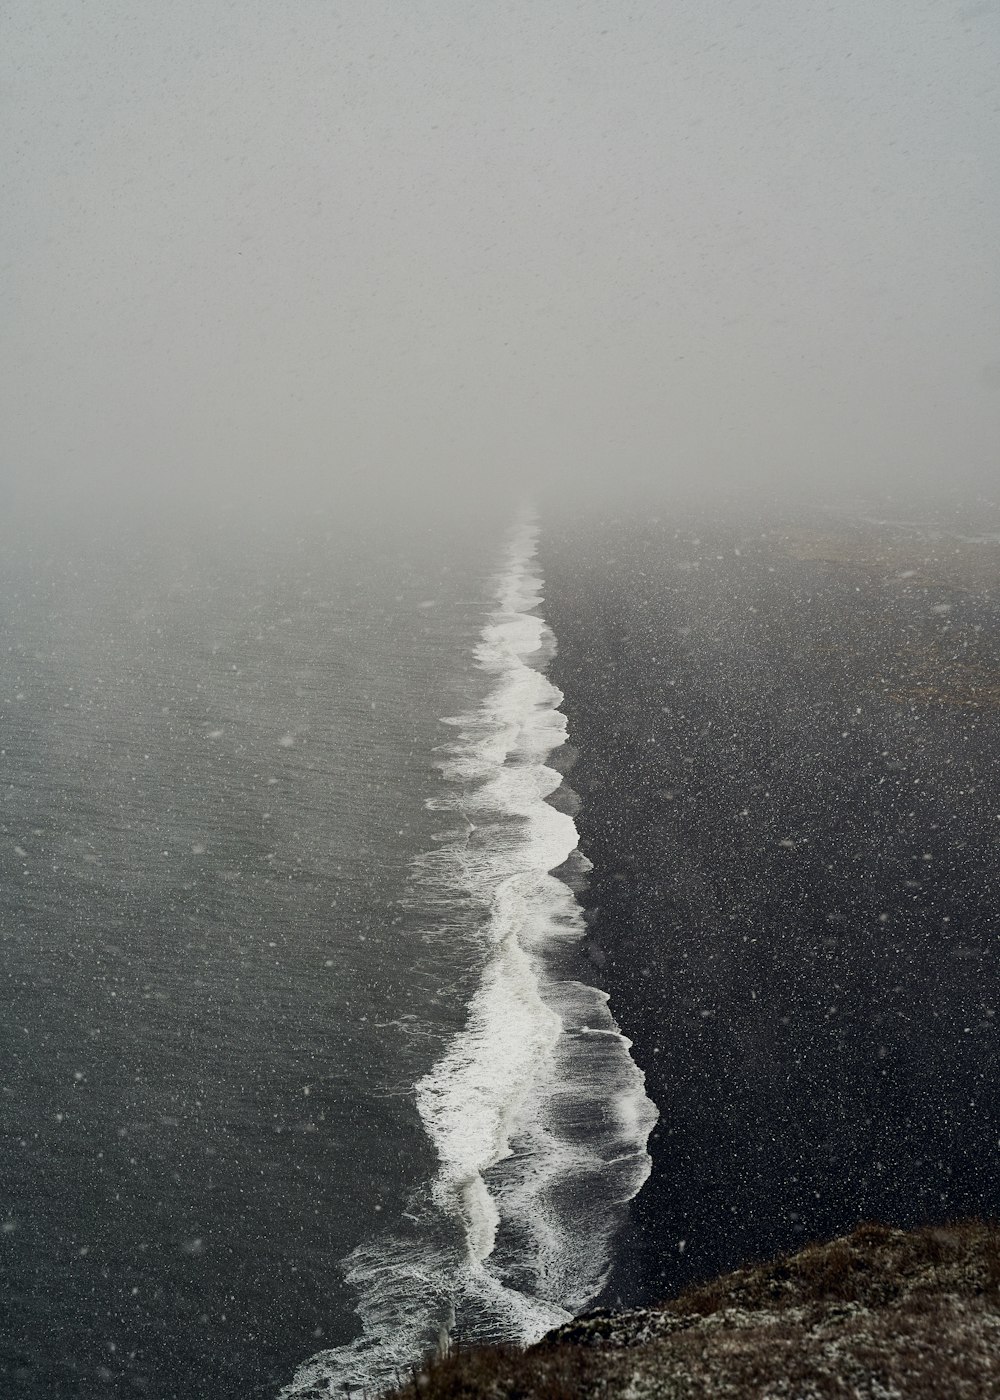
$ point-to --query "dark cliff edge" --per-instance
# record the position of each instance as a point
(877, 1314)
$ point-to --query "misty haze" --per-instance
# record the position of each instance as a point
(500, 615)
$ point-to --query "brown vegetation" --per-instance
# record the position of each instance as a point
(931, 677)
(880, 1314)
(951, 661)
(913, 559)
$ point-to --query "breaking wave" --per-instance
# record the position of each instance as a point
(536, 1110)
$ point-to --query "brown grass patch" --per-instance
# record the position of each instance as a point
(929, 677)
(878, 1312)
(912, 559)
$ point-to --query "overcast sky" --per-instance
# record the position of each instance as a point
(316, 242)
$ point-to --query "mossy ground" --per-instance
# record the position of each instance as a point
(880, 1314)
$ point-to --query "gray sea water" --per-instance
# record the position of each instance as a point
(275, 905)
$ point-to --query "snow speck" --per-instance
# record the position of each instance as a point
(287, 741)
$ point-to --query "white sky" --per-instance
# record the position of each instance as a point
(317, 243)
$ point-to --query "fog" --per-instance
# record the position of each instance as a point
(325, 252)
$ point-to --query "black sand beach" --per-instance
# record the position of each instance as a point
(788, 743)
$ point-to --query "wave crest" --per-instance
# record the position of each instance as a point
(538, 1113)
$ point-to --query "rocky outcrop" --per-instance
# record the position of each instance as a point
(880, 1314)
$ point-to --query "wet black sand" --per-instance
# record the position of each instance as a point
(789, 766)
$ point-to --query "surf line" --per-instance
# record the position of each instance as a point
(536, 1110)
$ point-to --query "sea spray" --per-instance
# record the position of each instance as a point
(536, 1109)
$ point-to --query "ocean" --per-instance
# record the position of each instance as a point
(305, 1073)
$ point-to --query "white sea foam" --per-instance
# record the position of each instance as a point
(536, 1109)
